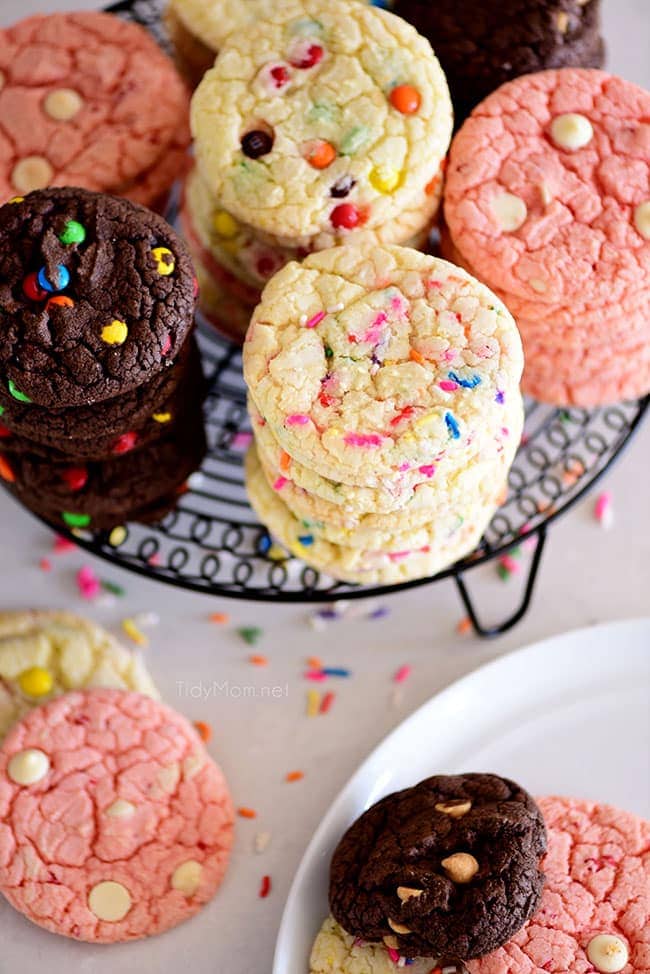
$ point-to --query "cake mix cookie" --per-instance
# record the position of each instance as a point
(415, 559)
(45, 654)
(332, 117)
(368, 362)
(336, 952)
(481, 45)
(89, 100)
(448, 867)
(595, 909)
(110, 428)
(115, 822)
(96, 297)
(554, 212)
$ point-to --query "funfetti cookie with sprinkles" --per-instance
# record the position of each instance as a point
(87, 99)
(548, 188)
(370, 362)
(331, 116)
(116, 824)
(45, 654)
(96, 297)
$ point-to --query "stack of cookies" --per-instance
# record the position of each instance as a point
(384, 392)
(548, 202)
(100, 381)
(326, 123)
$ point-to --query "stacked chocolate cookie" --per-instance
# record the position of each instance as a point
(547, 201)
(326, 123)
(482, 44)
(384, 393)
(100, 381)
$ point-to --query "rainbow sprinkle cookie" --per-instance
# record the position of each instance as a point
(336, 952)
(45, 654)
(370, 363)
(333, 117)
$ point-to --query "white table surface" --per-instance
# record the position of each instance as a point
(588, 575)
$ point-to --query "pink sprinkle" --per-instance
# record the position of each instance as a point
(603, 508)
(242, 440)
(45, 565)
(393, 954)
(505, 431)
(362, 439)
(296, 419)
(154, 559)
(88, 583)
(399, 555)
(509, 563)
(166, 345)
(315, 319)
(436, 284)
(447, 386)
(61, 545)
(403, 467)
(279, 483)
(428, 470)
(316, 676)
(402, 674)
(449, 355)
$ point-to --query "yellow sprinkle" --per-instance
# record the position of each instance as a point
(132, 631)
(424, 420)
(164, 266)
(36, 682)
(276, 553)
(17, 199)
(384, 179)
(224, 224)
(313, 703)
(117, 536)
(115, 333)
(162, 417)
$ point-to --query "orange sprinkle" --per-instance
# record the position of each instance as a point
(464, 626)
(406, 99)
(247, 813)
(416, 357)
(314, 663)
(295, 776)
(257, 660)
(320, 154)
(285, 461)
(221, 617)
(204, 730)
(6, 471)
(432, 185)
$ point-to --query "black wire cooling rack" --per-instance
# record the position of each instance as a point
(213, 543)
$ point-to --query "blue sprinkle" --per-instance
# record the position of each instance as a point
(327, 614)
(452, 426)
(500, 397)
(384, 4)
(380, 613)
(62, 279)
(264, 544)
(306, 540)
(465, 383)
(335, 671)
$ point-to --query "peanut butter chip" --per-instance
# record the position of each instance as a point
(32, 172)
(405, 893)
(562, 21)
(391, 942)
(455, 808)
(461, 867)
(398, 927)
(63, 104)
(510, 211)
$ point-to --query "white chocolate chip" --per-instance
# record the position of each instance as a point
(510, 211)
(642, 219)
(405, 893)
(169, 777)
(192, 766)
(32, 172)
(607, 953)
(28, 767)
(120, 809)
(538, 285)
(109, 901)
(398, 927)
(562, 21)
(571, 131)
(186, 878)
(546, 195)
(63, 104)
(461, 867)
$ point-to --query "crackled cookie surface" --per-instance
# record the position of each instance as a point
(96, 297)
(331, 117)
(45, 654)
(371, 361)
(336, 952)
(450, 866)
(115, 822)
(87, 99)
(555, 207)
(595, 909)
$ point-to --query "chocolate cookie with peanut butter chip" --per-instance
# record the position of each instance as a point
(448, 867)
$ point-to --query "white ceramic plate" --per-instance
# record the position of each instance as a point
(569, 715)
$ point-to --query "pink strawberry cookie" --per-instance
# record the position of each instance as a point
(114, 822)
(595, 912)
(548, 188)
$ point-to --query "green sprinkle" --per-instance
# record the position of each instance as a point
(113, 588)
(503, 573)
(76, 520)
(353, 140)
(323, 111)
(16, 393)
(328, 354)
(2, 410)
(564, 416)
(250, 634)
(73, 233)
(515, 552)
